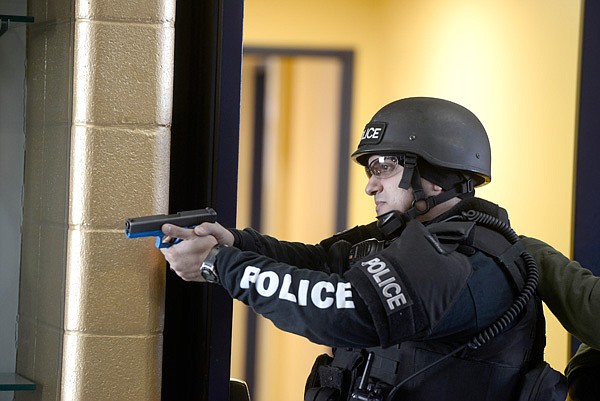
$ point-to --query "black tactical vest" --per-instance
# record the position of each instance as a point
(446, 370)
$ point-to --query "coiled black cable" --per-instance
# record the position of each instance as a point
(529, 287)
(507, 317)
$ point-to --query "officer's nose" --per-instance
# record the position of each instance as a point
(373, 186)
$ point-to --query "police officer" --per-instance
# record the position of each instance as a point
(438, 289)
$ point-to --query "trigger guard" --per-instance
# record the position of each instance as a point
(162, 244)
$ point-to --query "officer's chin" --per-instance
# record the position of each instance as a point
(382, 209)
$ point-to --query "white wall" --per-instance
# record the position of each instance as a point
(12, 140)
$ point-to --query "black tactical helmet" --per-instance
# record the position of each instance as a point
(443, 133)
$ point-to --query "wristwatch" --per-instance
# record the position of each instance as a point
(208, 270)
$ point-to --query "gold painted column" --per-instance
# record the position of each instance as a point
(99, 102)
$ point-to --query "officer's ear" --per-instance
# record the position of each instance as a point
(430, 188)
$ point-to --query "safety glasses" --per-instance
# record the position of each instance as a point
(383, 167)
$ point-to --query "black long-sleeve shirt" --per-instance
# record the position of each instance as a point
(415, 288)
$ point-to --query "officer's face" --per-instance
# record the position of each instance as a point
(385, 174)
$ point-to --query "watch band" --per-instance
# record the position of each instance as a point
(208, 270)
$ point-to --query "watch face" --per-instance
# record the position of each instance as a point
(207, 270)
(209, 274)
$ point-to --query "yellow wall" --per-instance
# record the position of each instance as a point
(515, 64)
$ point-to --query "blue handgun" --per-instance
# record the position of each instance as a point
(150, 226)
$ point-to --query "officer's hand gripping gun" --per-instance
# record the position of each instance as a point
(150, 226)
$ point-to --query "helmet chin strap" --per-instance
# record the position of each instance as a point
(392, 223)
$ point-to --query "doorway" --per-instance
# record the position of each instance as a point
(292, 184)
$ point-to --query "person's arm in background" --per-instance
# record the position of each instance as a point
(583, 374)
(571, 292)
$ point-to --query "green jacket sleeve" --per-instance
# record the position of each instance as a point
(571, 292)
(585, 358)
(583, 371)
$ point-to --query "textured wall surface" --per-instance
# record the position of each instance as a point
(97, 152)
